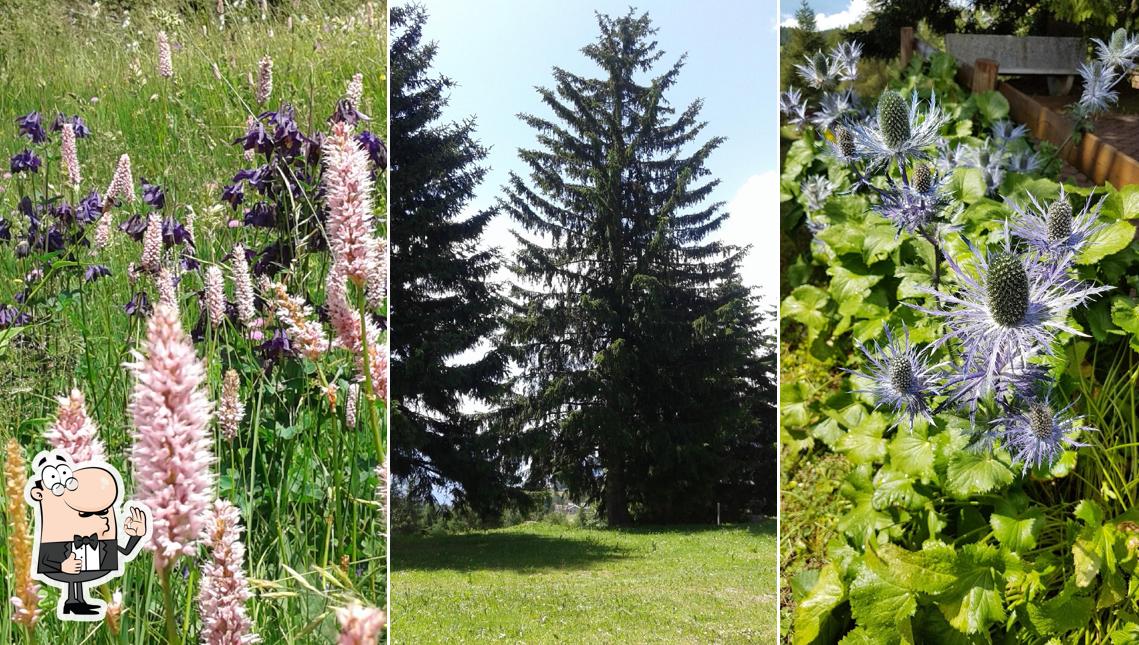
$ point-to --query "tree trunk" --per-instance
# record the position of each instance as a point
(616, 498)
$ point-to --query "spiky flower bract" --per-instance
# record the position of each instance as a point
(1120, 50)
(1037, 434)
(816, 190)
(1006, 311)
(901, 133)
(170, 453)
(914, 205)
(792, 105)
(1053, 228)
(1099, 81)
(901, 377)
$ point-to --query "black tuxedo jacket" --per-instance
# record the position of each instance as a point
(52, 554)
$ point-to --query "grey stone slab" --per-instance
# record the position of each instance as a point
(1020, 54)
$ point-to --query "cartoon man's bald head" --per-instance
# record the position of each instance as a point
(73, 500)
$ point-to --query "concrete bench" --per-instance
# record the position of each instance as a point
(1058, 58)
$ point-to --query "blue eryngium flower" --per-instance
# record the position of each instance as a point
(914, 204)
(1098, 95)
(792, 105)
(1119, 51)
(1037, 434)
(1007, 311)
(1053, 228)
(816, 190)
(32, 125)
(901, 133)
(24, 161)
(900, 377)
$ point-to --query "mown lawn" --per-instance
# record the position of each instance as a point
(544, 583)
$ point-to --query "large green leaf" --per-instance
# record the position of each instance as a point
(809, 305)
(1062, 613)
(1111, 239)
(967, 185)
(971, 472)
(931, 570)
(864, 443)
(882, 609)
(974, 599)
(894, 488)
(815, 609)
(992, 104)
(850, 289)
(912, 454)
(1016, 529)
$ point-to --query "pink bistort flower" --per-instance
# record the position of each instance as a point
(215, 294)
(355, 91)
(243, 287)
(73, 431)
(354, 334)
(348, 187)
(360, 625)
(170, 454)
(122, 183)
(304, 333)
(264, 80)
(230, 411)
(225, 590)
(151, 244)
(165, 63)
(68, 152)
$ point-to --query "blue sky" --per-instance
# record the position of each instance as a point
(497, 51)
(829, 14)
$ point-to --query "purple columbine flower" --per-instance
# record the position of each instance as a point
(269, 259)
(234, 194)
(1037, 434)
(24, 161)
(90, 208)
(260, 215)
(275, 348)
(900, 377)
(1008, 311)
(255, 176)
(1054, 229)
(76, 122)
(95, 271)
(12, 317)
(153, 194)
(174, 232)
(31, 125)
(377, 151)
(346, 112)
(256, 138)
(134, 226)
(5, 230)
(138, 305)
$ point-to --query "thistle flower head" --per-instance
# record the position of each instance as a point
(1119, 51)
(1055, 229)
(914, 205)
(844, 60)
(817, 71)
(792, 105)
(225, 590)
(901, 132)
(833, 108)
(360, 625)
(900, 377)
(1099, 81)
(923, 178)
(1004, 131)
(170, 453)
(816, 190)
(843, 144)
(1037, 434)
(1007, 310)
(73, 431)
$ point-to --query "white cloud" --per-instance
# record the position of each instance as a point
(754, 219)
(824, 21)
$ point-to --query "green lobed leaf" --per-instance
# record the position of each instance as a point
(974, 600)
(931, 570)
(1016, 530)
(881, 609)
(1112, 239)
(815, 609)
(971, 472)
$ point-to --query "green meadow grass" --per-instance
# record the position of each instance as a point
(303, 480)
(546, 583)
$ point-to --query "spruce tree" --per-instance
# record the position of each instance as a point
(442, 293)
(638, 353)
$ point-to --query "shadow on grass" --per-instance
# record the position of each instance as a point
(499, 551)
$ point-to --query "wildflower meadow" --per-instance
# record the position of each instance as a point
(193, 287)
(959, 365)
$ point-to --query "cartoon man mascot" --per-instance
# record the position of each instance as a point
(78, 521)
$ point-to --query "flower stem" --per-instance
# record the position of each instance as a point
(173, 637)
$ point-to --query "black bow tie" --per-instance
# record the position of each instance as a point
(83, 540)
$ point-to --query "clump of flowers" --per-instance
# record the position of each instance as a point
(230, 411)
(1114, 60)
(264, 80)
(360, 625)
(165, 62)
